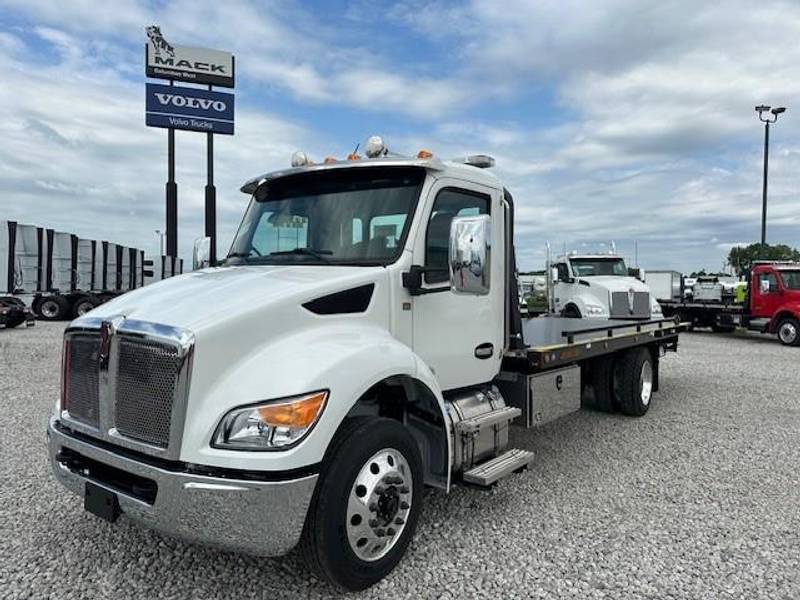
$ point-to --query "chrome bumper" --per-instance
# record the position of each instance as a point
(256, 517)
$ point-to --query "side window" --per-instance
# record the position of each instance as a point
(563, 272)
(768, 283)
(449, 203)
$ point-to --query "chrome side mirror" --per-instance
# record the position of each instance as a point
(470, 254)
(201, 256)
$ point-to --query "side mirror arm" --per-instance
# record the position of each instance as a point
(412, 280)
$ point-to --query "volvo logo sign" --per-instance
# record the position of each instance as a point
(188, 108)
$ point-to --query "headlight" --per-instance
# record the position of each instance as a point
(595, 309)
(269, 425)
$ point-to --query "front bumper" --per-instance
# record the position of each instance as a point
(256, 517)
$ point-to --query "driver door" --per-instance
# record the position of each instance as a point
(459, 336)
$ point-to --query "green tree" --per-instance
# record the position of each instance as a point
(741, 258)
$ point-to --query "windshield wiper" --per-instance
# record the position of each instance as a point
(318, 254)
(238, 255)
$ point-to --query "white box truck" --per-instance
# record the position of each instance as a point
(665, 285)
(362, 340)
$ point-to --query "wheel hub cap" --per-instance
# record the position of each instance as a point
(646, 382)
(379, 504)
(788, 333)
(49, 309)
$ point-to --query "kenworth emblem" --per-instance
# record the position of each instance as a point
(106, 331)
(631, 296)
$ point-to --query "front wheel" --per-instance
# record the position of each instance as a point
(366, 504)
(789, 331)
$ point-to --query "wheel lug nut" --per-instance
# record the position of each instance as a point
(390, 531)
(404, 505)
(398, 521)
(380, 532)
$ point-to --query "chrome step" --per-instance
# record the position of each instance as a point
(496, 417)
(490, 472)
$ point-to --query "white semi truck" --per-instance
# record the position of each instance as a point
(598, 286)
(361, 341)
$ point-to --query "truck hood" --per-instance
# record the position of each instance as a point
(213, 295)
(615, 284)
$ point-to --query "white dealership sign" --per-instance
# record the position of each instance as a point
(183, 63)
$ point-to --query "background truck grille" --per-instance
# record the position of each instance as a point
(147, 374)
(621, 309)
(82, 391)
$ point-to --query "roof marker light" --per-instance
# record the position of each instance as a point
(375, 147)
(300, 159)
(353, 156)
(424, 154)
(482, 161)
(330, 160)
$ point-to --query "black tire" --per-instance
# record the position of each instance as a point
(571, 312)
(83, 304)
(603, 385)
(723, 328)
(634, 371)
(325, 544)
(52, 308)
(788, 331)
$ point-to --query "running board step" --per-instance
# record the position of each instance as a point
(490, 472)
(495, 417)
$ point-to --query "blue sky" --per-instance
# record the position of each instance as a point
(617, 119)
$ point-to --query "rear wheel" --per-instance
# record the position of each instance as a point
(366, 504)
(52, 308)
(83, 305)
(634, 379)
(602, 385)
(789, 331)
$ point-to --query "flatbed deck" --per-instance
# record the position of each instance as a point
(552, 342)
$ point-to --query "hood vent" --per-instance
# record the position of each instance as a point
(355, 300)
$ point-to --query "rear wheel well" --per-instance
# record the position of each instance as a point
(413, 404)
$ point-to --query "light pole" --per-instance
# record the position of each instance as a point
(160, 235)
(764, 116)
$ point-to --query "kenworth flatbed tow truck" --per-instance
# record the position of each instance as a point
(361, 341)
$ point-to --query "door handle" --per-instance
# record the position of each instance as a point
(484, 351)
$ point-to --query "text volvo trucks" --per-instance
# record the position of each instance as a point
(361, 341)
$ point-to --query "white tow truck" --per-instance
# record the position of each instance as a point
(361, 341)
(598, 286)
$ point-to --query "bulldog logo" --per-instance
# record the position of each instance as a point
(159, 43)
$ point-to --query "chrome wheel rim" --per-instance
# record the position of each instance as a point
(379, 505)
(788, 333)
(49, 308)
(646, 382)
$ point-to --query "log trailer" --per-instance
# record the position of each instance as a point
(361, 341)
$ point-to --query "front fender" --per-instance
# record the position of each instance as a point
(345, 358)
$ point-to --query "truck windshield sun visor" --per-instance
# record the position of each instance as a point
(352, 216)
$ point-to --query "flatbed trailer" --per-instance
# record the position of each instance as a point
(721, 317)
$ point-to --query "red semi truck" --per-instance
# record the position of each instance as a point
(772, 305)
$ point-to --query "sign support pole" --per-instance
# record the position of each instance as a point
(211, 197)
(172, 196)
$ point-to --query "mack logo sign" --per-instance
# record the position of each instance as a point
(183, 63)
(188, 108)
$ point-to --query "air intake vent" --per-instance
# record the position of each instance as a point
(355, 300)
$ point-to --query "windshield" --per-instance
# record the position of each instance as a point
(356, 216)
(587, 267)
(791, 279)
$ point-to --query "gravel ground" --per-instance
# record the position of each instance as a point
(699, 499)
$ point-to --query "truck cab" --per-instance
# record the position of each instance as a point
(598, 286)
(362, 340)
(774, 300)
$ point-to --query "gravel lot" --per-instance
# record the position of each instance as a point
(699, 499)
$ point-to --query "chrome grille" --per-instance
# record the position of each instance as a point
(621, 306)
(147, 374)
(82, 385)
